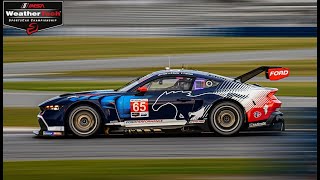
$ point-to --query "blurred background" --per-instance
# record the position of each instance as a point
(105, 43)
(186, 18)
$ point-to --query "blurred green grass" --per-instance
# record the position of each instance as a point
(24, 49)
(67, 86)
(17, 116)
(142, 169)
(303, 67)
(306, 89)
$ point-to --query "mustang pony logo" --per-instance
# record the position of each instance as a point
(241, 95)
(179, 110)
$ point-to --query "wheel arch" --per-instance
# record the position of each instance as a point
(223, 100)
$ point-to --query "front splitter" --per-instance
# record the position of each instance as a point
(48, 133)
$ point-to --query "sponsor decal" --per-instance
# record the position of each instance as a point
(197, 121)
(52, 133)
(259, 124)
(257, 114)
(278, 73)
(265, 108)
(32, 16)
(173, 72)
(143, 121)
(57, 133)
(139, 108)
(47, 133)
(209, 83)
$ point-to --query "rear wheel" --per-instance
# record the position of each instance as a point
(226, 118)
(84, 121)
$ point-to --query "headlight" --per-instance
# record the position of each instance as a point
(52, 107)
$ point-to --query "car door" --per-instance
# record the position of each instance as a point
(203, 92)
(166, 98)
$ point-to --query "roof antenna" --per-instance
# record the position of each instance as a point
(167, 68)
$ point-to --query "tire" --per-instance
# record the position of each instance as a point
(84, 121)
(226, 119)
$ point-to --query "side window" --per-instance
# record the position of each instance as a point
(170, 83)
(201, 83)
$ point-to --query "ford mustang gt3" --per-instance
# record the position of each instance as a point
(171, 100)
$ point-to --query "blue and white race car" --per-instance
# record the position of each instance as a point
(166, 101)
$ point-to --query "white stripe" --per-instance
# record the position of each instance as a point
(136, 123)
(56, 128)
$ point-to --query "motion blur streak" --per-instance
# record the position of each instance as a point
(248, 144)
(186, 18)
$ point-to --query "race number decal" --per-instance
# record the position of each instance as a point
(139, 108)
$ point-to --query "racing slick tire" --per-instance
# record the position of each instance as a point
(226, 119)
(84, 121)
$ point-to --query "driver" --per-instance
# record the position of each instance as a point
(183, 84)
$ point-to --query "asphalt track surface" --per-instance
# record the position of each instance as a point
(32, 99)
(205, 58)
(300, 145)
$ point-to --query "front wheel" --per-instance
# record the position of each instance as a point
(84, 121)
(226, 118)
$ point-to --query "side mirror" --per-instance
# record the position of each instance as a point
(142, 89)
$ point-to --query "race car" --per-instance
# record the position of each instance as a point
(170, 100)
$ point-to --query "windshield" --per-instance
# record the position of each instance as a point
(133, 83)
(126, 86)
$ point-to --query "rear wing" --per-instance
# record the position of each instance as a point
(272, 73)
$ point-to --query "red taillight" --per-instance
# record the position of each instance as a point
(272, 96)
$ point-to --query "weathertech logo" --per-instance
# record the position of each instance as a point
(33, 16)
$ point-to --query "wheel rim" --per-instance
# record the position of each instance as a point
(84, 121)
(226, 118)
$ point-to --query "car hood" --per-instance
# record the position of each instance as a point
(75, 96)
(90, 93)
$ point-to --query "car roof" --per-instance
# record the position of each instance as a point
(190, 72)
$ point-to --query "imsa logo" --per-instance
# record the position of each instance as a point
(24, 5)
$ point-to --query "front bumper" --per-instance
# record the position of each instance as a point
(274, 123)
(46, 130)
